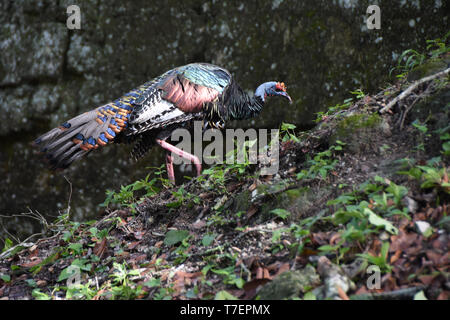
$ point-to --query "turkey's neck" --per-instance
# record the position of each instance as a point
(244, 107)
(248, 109)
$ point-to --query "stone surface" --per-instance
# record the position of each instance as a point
(422, 227)
(290, 284)
(31, 51)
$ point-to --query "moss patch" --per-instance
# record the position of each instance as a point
(289, 284)
(299, 201)
(357, 131)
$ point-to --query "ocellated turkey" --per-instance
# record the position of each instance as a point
(149, 114)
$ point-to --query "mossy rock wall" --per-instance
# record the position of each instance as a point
(360, 132)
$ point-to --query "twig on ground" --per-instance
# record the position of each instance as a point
(403, 117)
(401, 294)
(70, 198)
(412, 88)
(9, 234)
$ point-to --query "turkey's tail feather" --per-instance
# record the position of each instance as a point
(77, 137)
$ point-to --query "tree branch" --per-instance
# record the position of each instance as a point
(412, 88)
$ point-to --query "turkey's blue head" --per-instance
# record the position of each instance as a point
(271, 89)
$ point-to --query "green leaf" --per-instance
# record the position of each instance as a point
(414, 172)
(205, 269)
(8, 244)
(342, 216)
(175, 204)
(342, 199)
(76, 266)
(294, 138)
(82, 264)
(282, 213)
(76, 247)
(398, 191)
(309, 296)
(380, 222)
(152, 283)
(66, 273)
(420, 296)
(421, 127)
(445, 136)
(5, 277)
(384, 250)
(93, 231)
(66, 236)
(208, 239)
(446, 147)
(31, 283)
(239, 282)
(224, 295)
(223, 272)
(328, 248)
(36, 293)
(175, 236)
(380, 179)
(287, 126)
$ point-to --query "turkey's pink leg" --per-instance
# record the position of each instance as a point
(194, 159)
(169, 166)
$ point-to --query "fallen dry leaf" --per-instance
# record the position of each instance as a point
(444, 295)
(205, 195)
(30, 264)
(250, 212)
(252, 187)
(342, 293)
(266, 274)
(436, 258)
(251, 287)
(283, 268)
(138, 234)
(320, 238)
(259, 273)
(100, 248)
(138, 258)
(396, 256)
(199, 224)
(133, 245)
(234, 186)
(335, 238)
(292, 170)
(426, 279)
(41, 283)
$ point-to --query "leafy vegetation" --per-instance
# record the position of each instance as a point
(287, 132)
(126, 197)
(410, 58)
(322, 163)
(333, 110)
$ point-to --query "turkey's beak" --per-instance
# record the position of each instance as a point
(284, 94)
